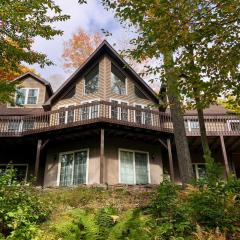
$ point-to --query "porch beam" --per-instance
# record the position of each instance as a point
(170, 159)
(224, 152)
(39, 145)
(102, 157)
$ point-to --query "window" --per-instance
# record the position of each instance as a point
(20, 170)
(192, 125)
(134, 167)
(118, 81)
(27, 96)
(92, 81)
(199, 170)
(28, 125)
(233, 125)
(66, 114)
(119, 112)
(14, 126)
(90, 112)
(73, 168)
(143, 117)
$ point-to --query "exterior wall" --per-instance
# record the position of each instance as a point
(112, 146)
(111, 159)
(104, 91)
(32, 83)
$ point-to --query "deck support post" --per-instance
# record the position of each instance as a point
(102, 157)
(169, 148)
(224, 152)
(39, 145)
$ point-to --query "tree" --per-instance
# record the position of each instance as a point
(79, 48)
(159, 35)
(20, 22)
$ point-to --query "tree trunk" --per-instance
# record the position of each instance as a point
(184, 160)
(203, 133)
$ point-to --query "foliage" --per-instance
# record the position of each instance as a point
(20, 23)
(20, 208)
(79, 48)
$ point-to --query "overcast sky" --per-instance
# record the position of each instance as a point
(91, 17)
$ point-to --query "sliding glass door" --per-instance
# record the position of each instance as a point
(73, 170)
(134, 167)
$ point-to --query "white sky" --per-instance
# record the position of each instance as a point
(91, 17)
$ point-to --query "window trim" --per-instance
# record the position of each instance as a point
(72, 152)
(118, 108)
(18, 164)
(143, 119)
(126, 80)
(189, 128)
(26, 97)
(90, 107)
(84, 78)
(66, 111)
(134, 169)
(232, 121)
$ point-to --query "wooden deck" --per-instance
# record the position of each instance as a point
(101, 111)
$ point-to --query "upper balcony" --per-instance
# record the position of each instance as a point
(101, 111)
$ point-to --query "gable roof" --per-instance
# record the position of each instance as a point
(104, 48)
(37, 78)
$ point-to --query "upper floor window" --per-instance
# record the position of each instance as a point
(192, 125)
(92, 81)
(27, 96)
(118, 81)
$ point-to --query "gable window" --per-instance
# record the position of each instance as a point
(143, 115)
(199, 170)
(134, 167)
(92, 81)
(27, 96)
(118, 81)
(233, 125)
(73, 168)
(66, 114)
(119, 110)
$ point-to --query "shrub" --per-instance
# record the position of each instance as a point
(20, 208)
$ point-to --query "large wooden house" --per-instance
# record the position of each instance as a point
(103, 125)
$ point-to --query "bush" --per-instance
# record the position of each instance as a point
(20, 208)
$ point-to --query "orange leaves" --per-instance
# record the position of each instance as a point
(79, 47)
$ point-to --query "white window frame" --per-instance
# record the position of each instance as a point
(66, 112)
(134, 170)
(90, 107)
(20, 127)
(190, 129)
(26, 97)
(72, 152)
(126, 84)
(119, 112)
(143, 118)
(18, 164)
(229, 124)
(195, 165)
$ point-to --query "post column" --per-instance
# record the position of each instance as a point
(224, 152)
(39, 145)
(102, 157)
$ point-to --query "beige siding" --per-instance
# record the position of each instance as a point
(112, 146)
(104, 92)
(32, 83)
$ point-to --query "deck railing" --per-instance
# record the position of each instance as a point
(102, 111)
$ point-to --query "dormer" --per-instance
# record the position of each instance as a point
(32, 91)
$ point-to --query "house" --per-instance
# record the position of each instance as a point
(103, 125)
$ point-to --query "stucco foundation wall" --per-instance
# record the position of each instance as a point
(52, 160)
(112, 145)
